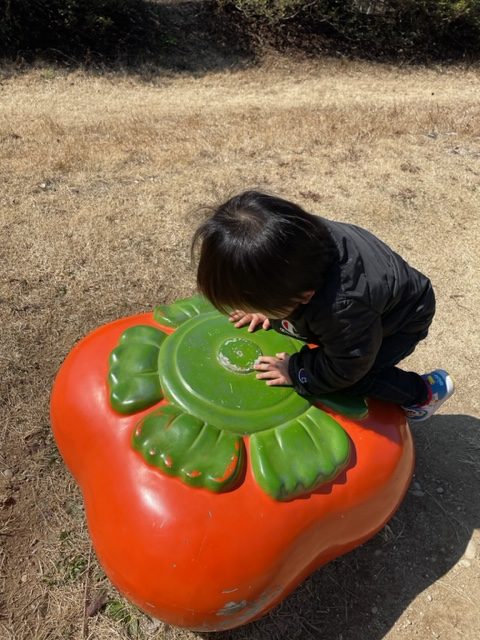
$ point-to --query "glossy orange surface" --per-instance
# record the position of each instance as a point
(198, 559)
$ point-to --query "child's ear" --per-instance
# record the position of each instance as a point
(306, 296)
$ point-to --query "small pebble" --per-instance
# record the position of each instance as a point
(418, 494)
(417, 486)
(429, 598)
(374, 610)
(24, 577)
(8, 474)
(439, 489)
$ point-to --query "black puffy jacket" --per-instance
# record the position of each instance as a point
(370, 293)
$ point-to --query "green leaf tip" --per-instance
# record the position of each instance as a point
(355, 408)
(184, 446)
(133, 377)
(296, 458)
(173, 315)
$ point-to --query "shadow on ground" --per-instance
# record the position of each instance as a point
(197, 36)
(161, 36)
(363, 594)
(147, 38)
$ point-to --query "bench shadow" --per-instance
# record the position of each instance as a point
(362, 594)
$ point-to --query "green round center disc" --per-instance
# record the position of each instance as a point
(238, 355)
(206, 367)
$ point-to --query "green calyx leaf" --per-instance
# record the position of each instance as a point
(186, 447)
(173, 315)
(133, 370)
(299, 456)
(348, 406)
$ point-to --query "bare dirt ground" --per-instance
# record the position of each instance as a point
(100, 180)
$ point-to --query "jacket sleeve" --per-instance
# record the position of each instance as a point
(349, 345)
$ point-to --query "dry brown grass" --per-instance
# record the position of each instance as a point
(101, 177)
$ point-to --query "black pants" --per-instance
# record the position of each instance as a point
(387, 382)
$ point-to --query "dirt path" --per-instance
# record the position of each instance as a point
(100, 175)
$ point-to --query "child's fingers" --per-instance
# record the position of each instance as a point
(240, 319)
(280, 381)
(273, 378)
(263, 358)
(271, 374)
(242, 322)
(273, 370)
(253, 323)
(265, 362)
(235, 315)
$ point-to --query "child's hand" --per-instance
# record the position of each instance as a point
(240, 318)
(275, 369)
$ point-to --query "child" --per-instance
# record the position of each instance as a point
(266, 261)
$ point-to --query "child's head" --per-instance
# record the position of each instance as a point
(260, 253)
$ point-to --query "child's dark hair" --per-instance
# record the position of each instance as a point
(260, 252)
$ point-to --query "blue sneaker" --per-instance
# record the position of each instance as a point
(441, 387)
